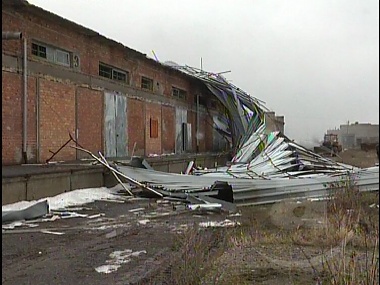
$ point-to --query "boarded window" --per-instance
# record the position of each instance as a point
(153, 128)
(146, 83)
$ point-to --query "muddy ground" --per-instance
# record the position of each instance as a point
(146, 242)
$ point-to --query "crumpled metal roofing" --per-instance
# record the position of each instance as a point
(254, 191)
(259, 154)
(267, 166)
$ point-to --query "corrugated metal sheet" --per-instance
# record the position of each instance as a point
(256, 191)
(266, 167)
(109, 124)
(180, 118)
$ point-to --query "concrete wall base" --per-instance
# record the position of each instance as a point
(37, 186)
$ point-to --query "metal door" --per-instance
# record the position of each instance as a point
(180, 135)
(115, 119)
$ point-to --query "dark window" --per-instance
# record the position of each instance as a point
(117, 75)
(52, 54)
(153, 128)
(39, 50)
(178, 93)
(202, 100)
(105, 71)
(146, 83)
(113, 73)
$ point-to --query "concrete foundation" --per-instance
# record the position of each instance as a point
(37, 186)
(23, 183)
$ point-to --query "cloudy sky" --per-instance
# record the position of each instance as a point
(315, 62)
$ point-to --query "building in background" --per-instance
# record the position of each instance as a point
(274, 123)
(357, 134)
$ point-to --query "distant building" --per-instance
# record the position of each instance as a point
(274, 123)
(356, 134)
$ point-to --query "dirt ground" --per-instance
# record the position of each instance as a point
(148, 242)
(32, 257)
(357, 157)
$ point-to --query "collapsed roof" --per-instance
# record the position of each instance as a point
(258, 153)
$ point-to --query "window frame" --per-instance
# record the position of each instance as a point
(51, 53)
(113, 73)
(148, 85)
(179, 93)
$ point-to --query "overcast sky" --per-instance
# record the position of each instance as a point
(314, 61)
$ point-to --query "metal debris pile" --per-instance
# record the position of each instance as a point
(258, 153)
(266, 167)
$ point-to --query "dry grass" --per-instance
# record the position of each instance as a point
(343, 230)
(198, 250)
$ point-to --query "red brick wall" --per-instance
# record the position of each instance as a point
(57, 99)
(49, 32)
(205, 131)
(91, 50)
(57, 119)
(168, 129)
(152, 145)
(32, 121)
(11, 118)
(136, 128)
(90, 120)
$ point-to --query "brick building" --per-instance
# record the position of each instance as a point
(109, 97)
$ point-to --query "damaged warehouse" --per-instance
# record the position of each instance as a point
(119, 168)
(61, 78)
(117, 101)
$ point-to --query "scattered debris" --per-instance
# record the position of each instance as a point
(143, 222)
(205, 207)
(96, 216)
(189, 167)
(222, 224)
(51, 232)
(136, 210)
(34, 211)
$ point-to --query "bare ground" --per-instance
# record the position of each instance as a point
(275, 244)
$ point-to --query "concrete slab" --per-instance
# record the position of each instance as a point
(13, 190)
(46, 185)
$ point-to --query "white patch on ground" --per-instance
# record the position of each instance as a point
(235, 215)
(107, 227)
(72, 198)
(117, 258)
(12, 225)
(143, 222)
(221, 224)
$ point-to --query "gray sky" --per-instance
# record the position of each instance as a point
(315, 62)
